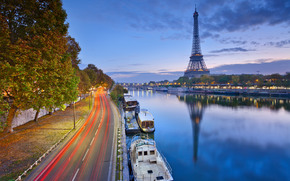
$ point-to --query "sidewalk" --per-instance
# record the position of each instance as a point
(28, 142)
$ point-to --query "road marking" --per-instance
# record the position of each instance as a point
(85, 155)
(76, 174)
(92, 141)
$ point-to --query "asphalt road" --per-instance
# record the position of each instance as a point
(86, 156)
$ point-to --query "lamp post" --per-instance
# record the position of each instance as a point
(74, 115)
(90, 100)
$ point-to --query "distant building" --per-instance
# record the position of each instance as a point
(196, 66)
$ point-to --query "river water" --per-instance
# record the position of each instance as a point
(221, 137)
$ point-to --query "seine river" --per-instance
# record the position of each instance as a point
(221, 137)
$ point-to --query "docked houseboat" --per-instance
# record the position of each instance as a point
(131, 125)
(130, 104)
(146, 121)
(146, 161)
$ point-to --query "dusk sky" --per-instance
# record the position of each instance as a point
(142, 40)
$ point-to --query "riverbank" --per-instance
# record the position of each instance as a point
(28, 142)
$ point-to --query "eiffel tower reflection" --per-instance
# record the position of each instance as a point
(195, 108)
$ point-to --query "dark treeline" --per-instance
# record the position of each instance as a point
(243, 80)
(39, 60)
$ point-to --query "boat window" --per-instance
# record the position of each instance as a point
(145, 152)
(143, 124)
(160, 178)
(151, 152)
(140, 153)
(147, 124)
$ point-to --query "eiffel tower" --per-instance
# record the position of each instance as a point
(196, 66)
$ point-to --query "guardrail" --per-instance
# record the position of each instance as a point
(119, 165)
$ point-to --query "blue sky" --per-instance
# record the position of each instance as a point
(142, 40)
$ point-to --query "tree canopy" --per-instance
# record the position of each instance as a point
(36, 69)
(243, 80)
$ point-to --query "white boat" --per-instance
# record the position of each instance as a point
(130, 103)
(131, 125)
(162, 89)
(146, 121)
(146, 161)
(177, 89)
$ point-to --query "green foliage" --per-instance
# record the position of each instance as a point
(235, 79)
(243, 79)
(35, 67)
(97, 77)
(117, 93)
(85, 83)
(206, 79)
(222, 79)
(73, 50)
(183, 80)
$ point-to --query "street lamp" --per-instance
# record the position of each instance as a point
(74, 115)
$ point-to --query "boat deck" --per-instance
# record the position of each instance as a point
(150, 168)
(131, 125)
(147, 171)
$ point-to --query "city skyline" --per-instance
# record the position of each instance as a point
(138, 41)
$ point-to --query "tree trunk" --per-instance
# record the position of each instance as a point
(10, 117)
(36, 115)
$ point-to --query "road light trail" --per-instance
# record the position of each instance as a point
(44, 172)
(82, 158)
(66, 167)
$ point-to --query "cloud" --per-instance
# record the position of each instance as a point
(237, 49)
(231, 41)
(243, 15)
(278, 66)
(215, 16)
(207, 34)
(120, 75)
(175, 17)
(279, 43)
(141, 77)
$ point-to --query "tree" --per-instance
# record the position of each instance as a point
(97, 77)
(74, 50)
(183, 80)
(206, 79)
(35, 68)
(117, 93)
(235, 79)
(17, 74)
(85, 83)
(222, 79)
(92, 76)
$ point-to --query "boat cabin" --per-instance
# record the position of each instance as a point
(146, 121)
(147, 163)
(130, 103)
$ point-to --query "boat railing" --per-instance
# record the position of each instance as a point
(142, 137)
(167, 164)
